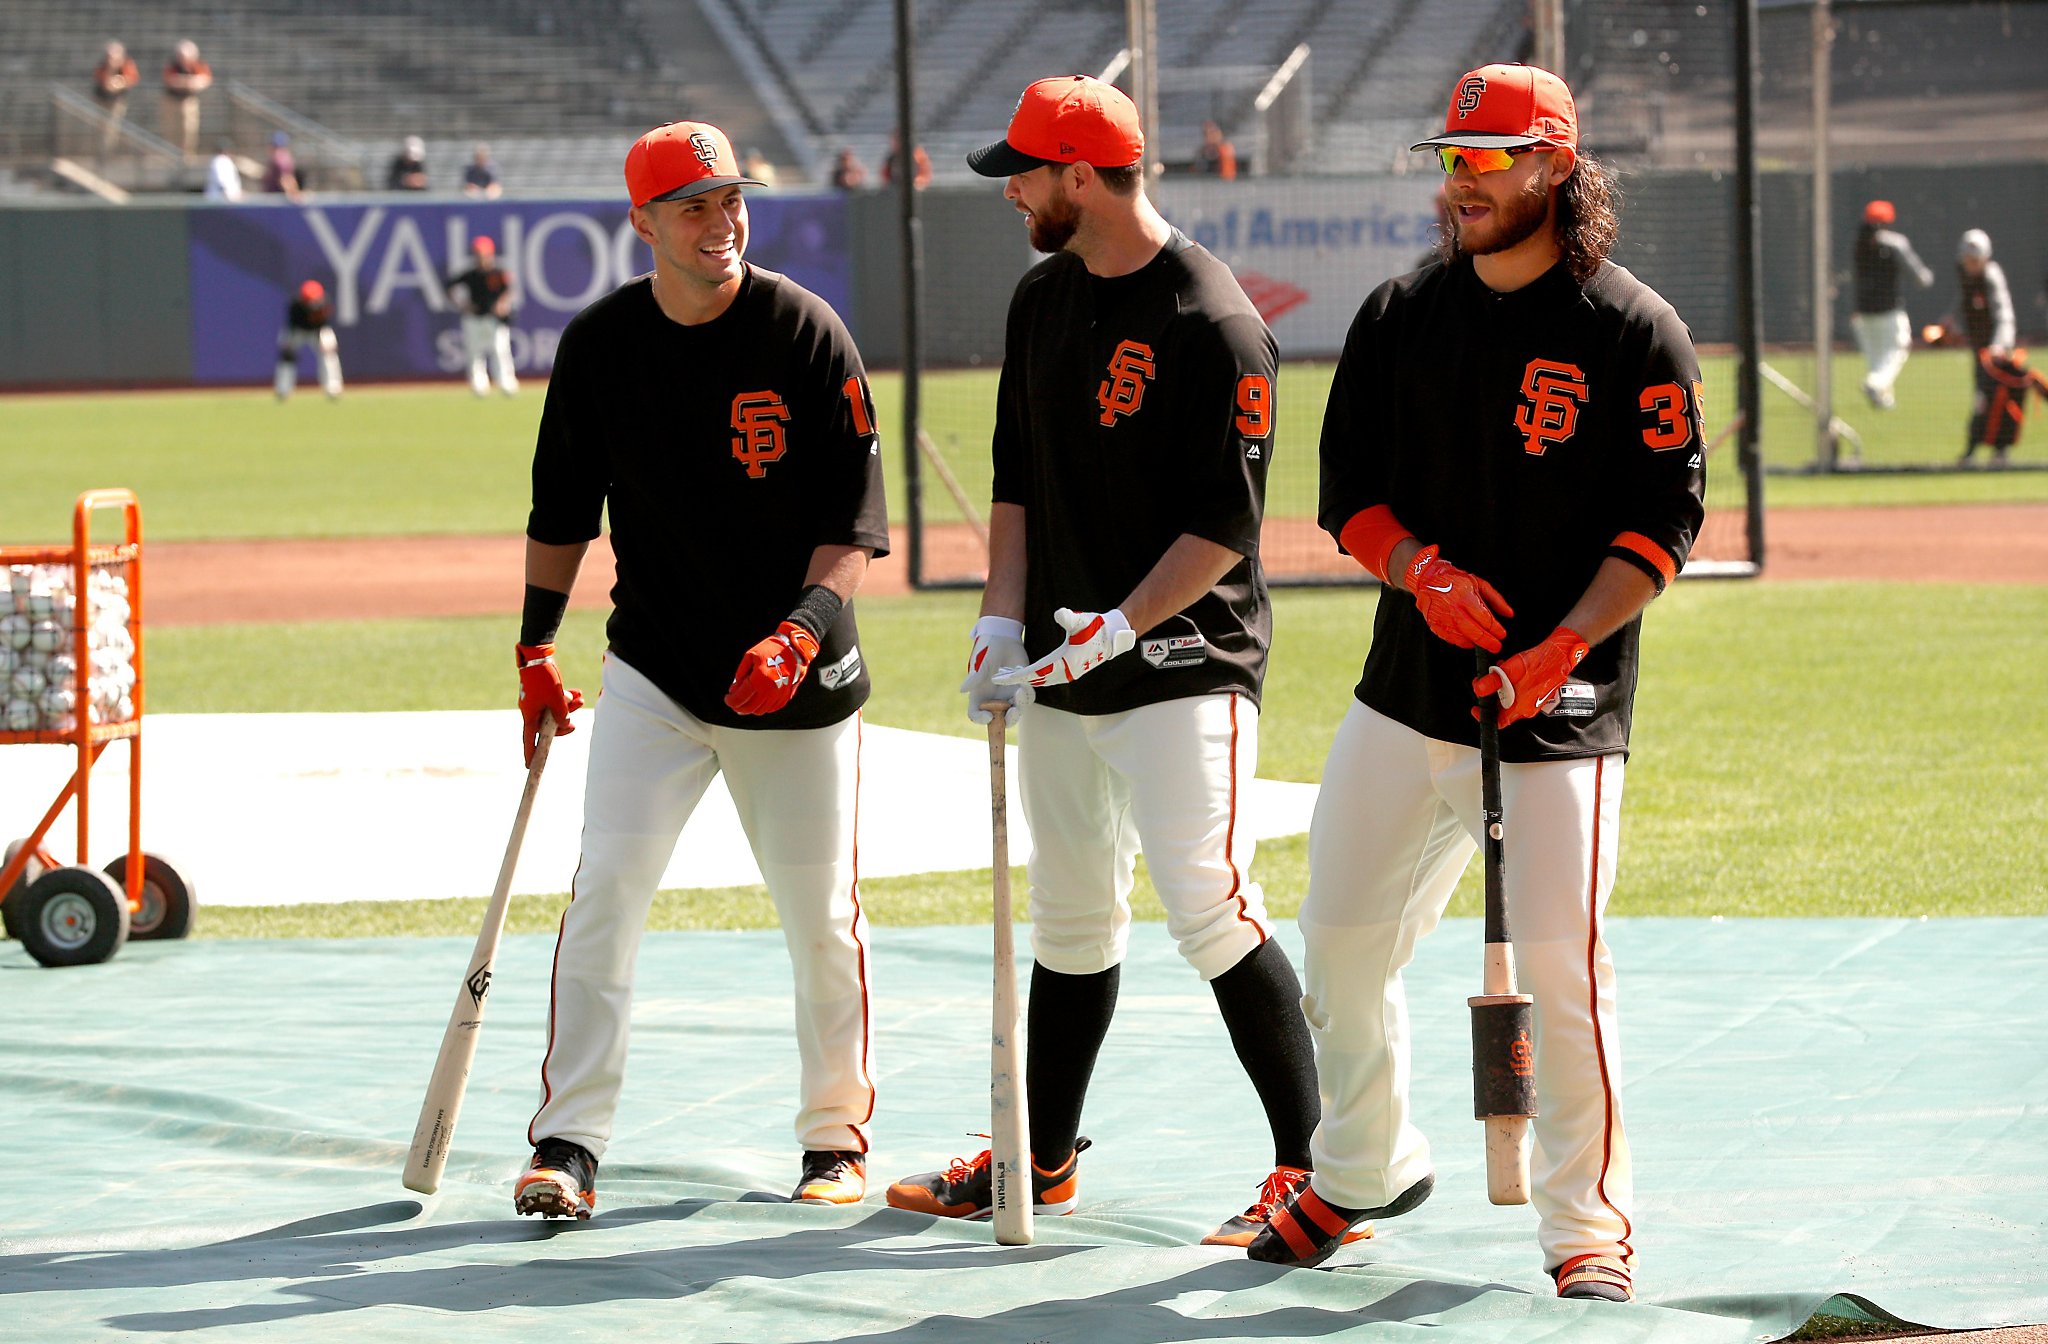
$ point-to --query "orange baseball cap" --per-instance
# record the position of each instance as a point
(681, 159)
(1879, 212)
(1507, 107)
(483, 246)
(1067, 119)
(312, 290)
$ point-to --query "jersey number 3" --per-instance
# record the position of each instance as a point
(1673, 423)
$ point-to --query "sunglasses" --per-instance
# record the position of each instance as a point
(1481, 160)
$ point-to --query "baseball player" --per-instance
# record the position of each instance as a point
(1883, 331)
(1133, 431)
(1985, 320)
(308, 321)
(1512, 446)
(485, 295)
(722, 414)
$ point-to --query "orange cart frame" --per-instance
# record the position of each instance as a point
(92, 739)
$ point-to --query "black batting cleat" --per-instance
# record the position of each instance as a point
(965, 1189)
(561, 1182)
(1308, 1229)
(1595, 1278)
(831, 1177)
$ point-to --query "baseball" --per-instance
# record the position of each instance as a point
(20, 578)
(22, 716)
(61, 668)
(124, 709)
(42, 603)
(16, 630)
(27, 680)
(9, 659)
(47, 636)
(58, 701)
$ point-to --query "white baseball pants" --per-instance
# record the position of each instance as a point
(797, 794)
(1166, 778)
(290, 342)
(1395, 824)
(1885, 339)
(486, 339)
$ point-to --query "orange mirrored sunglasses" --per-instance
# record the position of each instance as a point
(1481, 160)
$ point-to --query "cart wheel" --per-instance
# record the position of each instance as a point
(9, 903)
(73, 917)
(168, 902)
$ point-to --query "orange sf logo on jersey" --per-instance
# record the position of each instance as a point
(1551, 414)
(1124, 390)
(757, 418)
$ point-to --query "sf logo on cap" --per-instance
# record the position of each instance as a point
(1469, 94)
(705, 149)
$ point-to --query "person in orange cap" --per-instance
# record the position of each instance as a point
(1512, 446)
(720, 414)
(1883, 331)
(308, 321)
(485, 295)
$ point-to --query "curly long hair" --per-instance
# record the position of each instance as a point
(1587, 207)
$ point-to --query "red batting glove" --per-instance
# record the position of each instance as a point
(541, 692)
(1528, 682)
(1459, 607)
(771, 671)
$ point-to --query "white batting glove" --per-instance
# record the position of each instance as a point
(1093, 638)
(998, 642)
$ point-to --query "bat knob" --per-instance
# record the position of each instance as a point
(1494, 831)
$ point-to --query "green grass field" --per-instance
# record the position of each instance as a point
(431, 459)
(1801, 748)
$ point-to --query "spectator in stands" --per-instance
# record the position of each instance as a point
(1218, 157)
(111, 80)
(281, 170)
(481, 177)
(186, 76)
(1883, 331)
(755, 164)
(223, 175)
(921, 170)
(848, 173)
(408, 167)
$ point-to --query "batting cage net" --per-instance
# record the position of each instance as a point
(1935, 112)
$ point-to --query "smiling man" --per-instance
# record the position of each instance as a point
(1512, 446)
(1134, 426)
(721, 412)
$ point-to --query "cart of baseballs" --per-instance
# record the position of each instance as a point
(71, 669)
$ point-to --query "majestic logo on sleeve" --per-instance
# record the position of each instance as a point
(1469, 94)
(705, 149)
(1551, 414)
(1124, 390)
(758, 418)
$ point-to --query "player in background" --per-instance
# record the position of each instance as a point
(308, 321)
(722, 415)
(1984, 318)
(1134, 426)
(1883, 331)
(1512, 446)
(485, 295)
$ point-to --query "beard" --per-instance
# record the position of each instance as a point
(1052, 228)
(1514, 221)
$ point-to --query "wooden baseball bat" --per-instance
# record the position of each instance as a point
(1009, 1124)
(435, 1132)
(1503, 1058)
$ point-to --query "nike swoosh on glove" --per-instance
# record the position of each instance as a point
(1461, 609)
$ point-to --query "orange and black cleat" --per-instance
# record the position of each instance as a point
(561, 1182)
(963, 1189)
(831, 1176)
(1278, 1189)
(1308, 1230)
(1595, 1278)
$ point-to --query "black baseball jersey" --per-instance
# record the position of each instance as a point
(481, 287)
(1134, 409)
(727, 453)
(1881, 255)
(304, 315)
(1530, 435)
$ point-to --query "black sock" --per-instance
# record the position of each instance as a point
(1069, 1016)
(1261, 1004)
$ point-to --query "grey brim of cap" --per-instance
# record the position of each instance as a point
(1476, 141)
(1002, 159)
(702, 185)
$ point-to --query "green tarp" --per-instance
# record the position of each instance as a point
(207, 1136)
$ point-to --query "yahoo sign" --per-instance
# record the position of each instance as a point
(387, 266)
